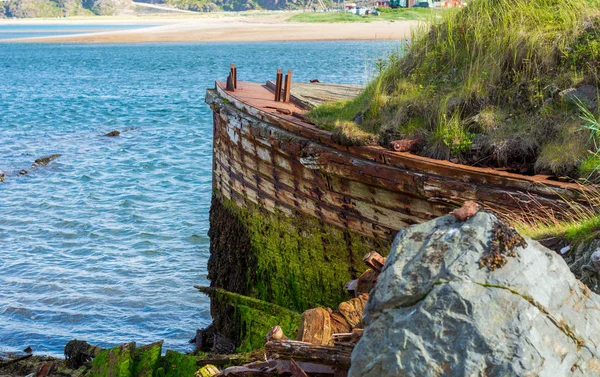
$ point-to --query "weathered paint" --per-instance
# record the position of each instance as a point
(280, 177)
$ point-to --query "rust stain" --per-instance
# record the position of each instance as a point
(265, 155)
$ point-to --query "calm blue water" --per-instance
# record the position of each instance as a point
(11, 31)
(106, 242)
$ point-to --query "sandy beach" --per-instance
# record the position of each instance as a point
(220, 28)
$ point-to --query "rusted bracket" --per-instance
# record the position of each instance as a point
(232, 79)
(288, 87)
(278, 83)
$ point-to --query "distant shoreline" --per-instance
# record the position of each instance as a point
(218, 27)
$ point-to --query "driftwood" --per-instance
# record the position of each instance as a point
(247, 372)
(302, 351)
(366, 282)
(374, 260)
(315, 326)
(352, 310)
(45, 370)
(10, 362)
(276, 333)
(296, 370)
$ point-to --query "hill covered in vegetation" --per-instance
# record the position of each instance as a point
(62, 8)
(507, 84)
(235, 5)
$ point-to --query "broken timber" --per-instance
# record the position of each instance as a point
(307, 352)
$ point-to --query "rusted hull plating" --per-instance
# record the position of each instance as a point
(282, 164)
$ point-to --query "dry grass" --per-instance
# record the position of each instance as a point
(481, 85)
(575, 221)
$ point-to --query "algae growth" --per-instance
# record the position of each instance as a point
(269, 268)
(295, 262)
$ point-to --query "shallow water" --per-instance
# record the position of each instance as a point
(12, 31)
(106, 242)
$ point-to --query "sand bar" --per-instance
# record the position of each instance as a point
(222, 28)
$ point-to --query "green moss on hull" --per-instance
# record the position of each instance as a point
(114, 362)
(297, 263)
(177, 364)
(146, 359)
(294, 262)
(254, 318)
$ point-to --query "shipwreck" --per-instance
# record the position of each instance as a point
(293, 212)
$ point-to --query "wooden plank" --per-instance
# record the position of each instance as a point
(302, 198)
(301, 351)
(406, 160)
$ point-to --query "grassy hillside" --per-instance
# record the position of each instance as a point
(385, 15)
(61, 8)
(501, 83)
(236, 5)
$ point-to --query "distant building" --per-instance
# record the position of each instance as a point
(383, 3)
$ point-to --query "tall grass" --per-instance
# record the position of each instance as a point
(508, 57)
(576, 221)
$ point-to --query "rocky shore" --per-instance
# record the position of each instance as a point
(460, 295)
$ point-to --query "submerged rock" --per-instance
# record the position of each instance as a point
(45, 160)
(474, 299)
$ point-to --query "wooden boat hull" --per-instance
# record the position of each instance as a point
(272, 170)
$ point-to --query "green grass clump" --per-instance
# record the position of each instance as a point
(349, 134)
(385, 15)
(482, 85)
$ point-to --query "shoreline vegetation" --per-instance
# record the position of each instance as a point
(501, 84)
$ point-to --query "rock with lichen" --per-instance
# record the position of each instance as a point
(474, 298)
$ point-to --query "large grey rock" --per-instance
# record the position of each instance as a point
(435, 311)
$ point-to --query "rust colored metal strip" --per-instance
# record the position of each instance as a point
(278, 83)
(288, 87)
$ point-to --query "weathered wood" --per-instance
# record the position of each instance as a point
(207, 371)
(296, 370)
(280, 163)
(283, 366)
(315, 326)
(13, 361)
(357, 334)
(366, 281)
(276, 333)
(339, 324)
(352, 310)
(374, 260)
(247, 372)
(539, 184)
(309, 95)
(302, 351)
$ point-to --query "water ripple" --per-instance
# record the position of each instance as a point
(106, 242)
